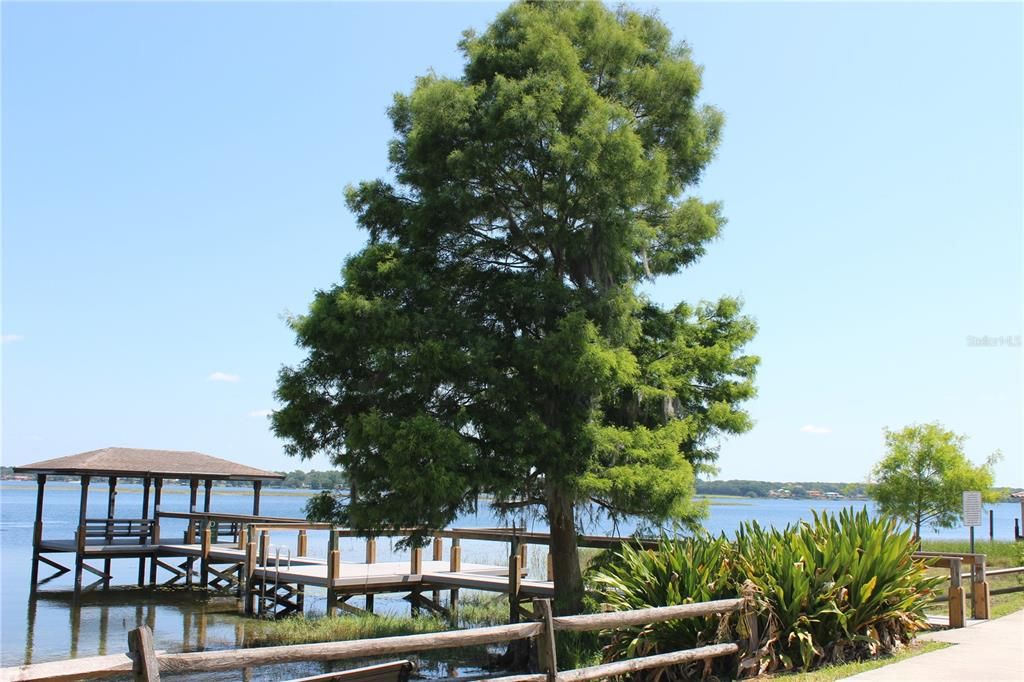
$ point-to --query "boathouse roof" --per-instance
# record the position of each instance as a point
(138, 462)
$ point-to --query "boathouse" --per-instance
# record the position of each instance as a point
(133, 536)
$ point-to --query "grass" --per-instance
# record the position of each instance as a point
(997, 553)
(306, 630)
(844, 670)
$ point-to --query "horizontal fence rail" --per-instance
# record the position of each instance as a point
(147, 664)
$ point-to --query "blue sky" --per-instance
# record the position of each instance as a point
(172, 181)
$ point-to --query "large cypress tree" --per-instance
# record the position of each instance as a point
(490, 338)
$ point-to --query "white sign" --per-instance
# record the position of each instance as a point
(972, 508)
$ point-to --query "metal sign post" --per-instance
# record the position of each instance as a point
(972, 519)
(972, 512)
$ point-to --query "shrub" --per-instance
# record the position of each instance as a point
(678, 572)
(838, 588)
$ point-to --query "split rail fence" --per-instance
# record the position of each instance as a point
(145, 663)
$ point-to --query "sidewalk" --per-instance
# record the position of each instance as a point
(992, 651)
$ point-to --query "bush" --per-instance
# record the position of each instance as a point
(838, 588)
(678, 572)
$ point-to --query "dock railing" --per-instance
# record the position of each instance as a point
(146, 663)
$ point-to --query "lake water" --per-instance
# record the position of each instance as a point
(53, 625)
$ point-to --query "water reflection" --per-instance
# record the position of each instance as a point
(98, 622)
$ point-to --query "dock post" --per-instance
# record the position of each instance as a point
(111, 501)
(155, 539)
(144, 535)
(957, 602)
(250, 571)
(190, 531)
(438, 555)
(204, 563)
(301, 549)
(243, 545)
(80, 535)
(979, 590)
(551, 569)
(264, 559)
(37, 529)
(515, 579)
(333, 569)
(454, 566)
(371, 558)
(415, 568)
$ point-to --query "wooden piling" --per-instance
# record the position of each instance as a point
(515, 581)
(37, 528)
(143, 539)
(155, 537)
(80, 534)
(204, 564)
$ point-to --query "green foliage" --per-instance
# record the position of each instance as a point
(923, 476)
(678, 572)
(838, 588)
(303, 629)
(491, 337)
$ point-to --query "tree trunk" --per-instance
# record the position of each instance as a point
(565, 559)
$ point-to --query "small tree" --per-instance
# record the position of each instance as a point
(923, 476)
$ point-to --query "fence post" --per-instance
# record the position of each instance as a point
(979, 590)
(144, 665)
(957, 601)
(547, 654)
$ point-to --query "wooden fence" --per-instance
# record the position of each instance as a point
(145, 663)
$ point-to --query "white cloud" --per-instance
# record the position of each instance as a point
(260, 413)
(223, 376)
(11, 338)
(811, 428)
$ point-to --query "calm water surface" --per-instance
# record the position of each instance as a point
(53, 625)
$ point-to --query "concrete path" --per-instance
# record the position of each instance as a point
(992, 651)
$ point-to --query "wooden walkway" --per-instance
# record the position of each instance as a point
(276, 584)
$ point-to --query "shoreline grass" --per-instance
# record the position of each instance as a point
(841, 671)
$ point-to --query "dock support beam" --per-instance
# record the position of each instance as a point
(37, 529)
(111, 502)
(144, 540)
(155, 538)
(256, 486)
(80, 535)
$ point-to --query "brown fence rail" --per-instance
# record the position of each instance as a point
(146, 664)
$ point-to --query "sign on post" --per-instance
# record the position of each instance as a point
(972, 508)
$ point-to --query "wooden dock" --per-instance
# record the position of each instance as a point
(269, 582)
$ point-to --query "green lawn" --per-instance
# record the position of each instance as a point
(838, 672)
